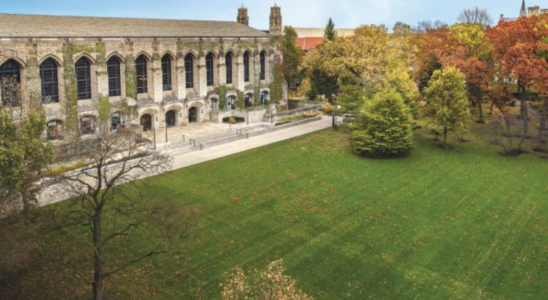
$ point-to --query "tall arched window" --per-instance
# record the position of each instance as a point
(228, 62)
(114, 77)
(210, 69)
(83, 78)
(142, 78)
(50, 81)
(166, 72)
(246, 67)
(189, 71)
(263, 65)
(10, 75)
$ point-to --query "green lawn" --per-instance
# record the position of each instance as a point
(461, 224)
(466, 223)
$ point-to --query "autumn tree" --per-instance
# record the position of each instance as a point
(517, 48)
(475, 15)
(425, 26)
(370, 59)
(292, 58)
(112, 203)
(426, 59)
(447, 103)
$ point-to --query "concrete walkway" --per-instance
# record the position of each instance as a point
(198, 157)
(53, 194)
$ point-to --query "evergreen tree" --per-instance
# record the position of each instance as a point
(293, 56)
(330, 32)
(385, 128)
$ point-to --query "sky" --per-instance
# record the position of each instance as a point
(297, 13)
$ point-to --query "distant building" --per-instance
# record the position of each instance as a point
(526, 12)
(310, 38)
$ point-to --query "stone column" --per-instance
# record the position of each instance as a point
(238, 64)
(32, 80)
(156, 91)
(180, 84)
(221, 68)
(202, 76)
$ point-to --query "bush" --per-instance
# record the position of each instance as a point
(233, 120)
(311, 114)
(328, 109)
(385, 127)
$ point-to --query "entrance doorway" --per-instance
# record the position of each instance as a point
(171, 118)
(146, 122)
(193, 115)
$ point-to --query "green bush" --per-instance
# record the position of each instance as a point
(233, 120)
(384, 128)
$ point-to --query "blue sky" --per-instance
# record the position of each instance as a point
(298, 13)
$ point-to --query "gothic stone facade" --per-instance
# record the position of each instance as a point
(87, 71)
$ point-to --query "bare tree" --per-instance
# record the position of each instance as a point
(475, 16)
(425, 26)
(112, 202)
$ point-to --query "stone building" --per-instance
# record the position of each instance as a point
(526, 12)
(87, 71)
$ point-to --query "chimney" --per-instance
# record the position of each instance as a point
(243, 17)
(276, 21)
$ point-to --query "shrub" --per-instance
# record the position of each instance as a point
(311, 114)
(233, 120)
(385, 127)
(327, 109)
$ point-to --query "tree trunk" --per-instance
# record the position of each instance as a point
(524, 111)
(480, 110)
(445, 137)
(98, 271)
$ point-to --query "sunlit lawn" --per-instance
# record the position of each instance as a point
(461, 224)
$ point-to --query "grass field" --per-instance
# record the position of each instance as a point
(465, 223)
(461, 224)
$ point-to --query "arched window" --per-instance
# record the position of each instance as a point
(88, 124)
(166, 72)
(83, 78)
(50, 81)
(210, 69)
(114, 77)
(189, 71)
(142, 78)
(117, 120)
(10, 78)
(228, 62)
(265, 97)
(263, 65)
(246, 67)
(54, 130)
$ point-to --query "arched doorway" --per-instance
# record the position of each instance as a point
(264, 97)
(171, 118)
(55, 130)
(231, 103)
(88, 125)
(117, 121)
(146, 122)
(248, 98)
(193, 115)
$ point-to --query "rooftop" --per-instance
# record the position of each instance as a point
(41, 26)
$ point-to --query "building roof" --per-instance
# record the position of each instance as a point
(309, 43)
(26, 26)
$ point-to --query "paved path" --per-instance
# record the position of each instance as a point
(52, 194)
(198, 157)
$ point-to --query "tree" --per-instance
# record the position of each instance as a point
(330, 33)
(292, 58)
(370, 59)
(385, 127)
(475, 15)
(270, 284)
(425, 26)
(447, 103)
(517, 52)
(23, 158)
(111, 202)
